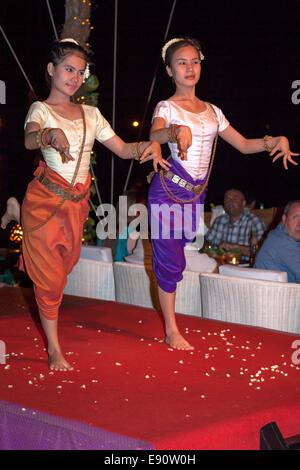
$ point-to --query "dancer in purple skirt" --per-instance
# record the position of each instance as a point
(190, 126)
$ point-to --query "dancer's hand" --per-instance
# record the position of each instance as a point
(153, 152)
(184, 141)
(59, 141)
(283, 148)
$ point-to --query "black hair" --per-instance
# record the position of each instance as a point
(239, 190)
(177, 45)
(62, 49)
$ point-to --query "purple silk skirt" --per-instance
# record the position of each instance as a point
(173, 224)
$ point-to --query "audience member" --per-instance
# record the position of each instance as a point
(233, 229)
(281, 249)
(124, 244)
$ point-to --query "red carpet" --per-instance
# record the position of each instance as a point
(129, 382)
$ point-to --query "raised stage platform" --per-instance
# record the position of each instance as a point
(130, 391)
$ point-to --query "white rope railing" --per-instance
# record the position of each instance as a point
(95, 183)
(114, 98)
(17, 60)
(151, 90)
(52, 20)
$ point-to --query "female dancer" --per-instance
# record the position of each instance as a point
(55, 205)
(189, 125)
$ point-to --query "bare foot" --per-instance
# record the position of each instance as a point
(57, 362)
(176, 341)
(12, 212)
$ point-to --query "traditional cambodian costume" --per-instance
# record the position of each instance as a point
(51, 248)
(173, 199)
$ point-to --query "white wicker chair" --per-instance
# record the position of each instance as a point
(253, 273)
(92, 277)
(267, 304)
(136, 284)
(97, 253)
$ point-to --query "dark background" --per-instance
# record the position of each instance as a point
(252, 57)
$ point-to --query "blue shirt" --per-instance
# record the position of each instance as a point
(280, 252)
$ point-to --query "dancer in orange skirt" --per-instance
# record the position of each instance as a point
(56, 201)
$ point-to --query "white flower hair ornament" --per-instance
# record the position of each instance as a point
(172, 41)
(69, 40)
(86, 73)
(87, 68)
(167, 45)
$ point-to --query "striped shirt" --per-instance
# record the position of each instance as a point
(238, 233)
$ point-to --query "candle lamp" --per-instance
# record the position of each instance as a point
(232, 258)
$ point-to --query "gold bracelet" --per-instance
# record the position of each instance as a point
(134, 151)
(44, 139)
(40, 138)
(266, 146)
(140, 153)
(171, 134)
(43, 142)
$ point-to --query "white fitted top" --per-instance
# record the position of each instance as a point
(96, 128)
(203, 127)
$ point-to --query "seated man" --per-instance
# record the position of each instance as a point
(281, 249)
(234, 228)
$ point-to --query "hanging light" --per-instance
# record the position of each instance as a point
(16, 234)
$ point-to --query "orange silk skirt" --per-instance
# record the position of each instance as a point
(50, 252)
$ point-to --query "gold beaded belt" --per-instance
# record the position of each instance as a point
(182, 182)
(58, 191)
